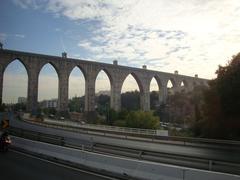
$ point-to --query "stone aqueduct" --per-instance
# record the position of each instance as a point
(116, 73)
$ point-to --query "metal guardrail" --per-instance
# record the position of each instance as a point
(136, 134)
(146, 133)
(162, 157)
(104, 127)
(48, 138)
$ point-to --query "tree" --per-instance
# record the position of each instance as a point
(141, 119)
(131, 100)
(222, 102)
(154, 100)
(103, 105)
(76, 104)
(2, 107)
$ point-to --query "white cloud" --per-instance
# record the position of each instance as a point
(185, 35)
(20, 35)
(30, 3)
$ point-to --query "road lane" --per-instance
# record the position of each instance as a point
(230, 155)
(16, 165)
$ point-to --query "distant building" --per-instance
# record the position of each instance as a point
(49, 103)
(103, 93)
(22, 100)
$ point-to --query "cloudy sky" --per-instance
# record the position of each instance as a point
(193, 36)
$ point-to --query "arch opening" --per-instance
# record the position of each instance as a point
(48, 89)
(15, 83)
(130, 93)
(183, 86)
(103, 95)
(170, 86)
(154, 94)
(184, 83)
(76, 95)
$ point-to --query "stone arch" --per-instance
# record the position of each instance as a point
(17, 59)
(140, 86)
(57, 73)
(137, 97)
(81, 72)
(76, 91)
(103, 86)
(80, 68)
(108, 75)
(172, 81)
(159, 81)
(52, 64)
(184, 83)
(154, 103)
(23, 65)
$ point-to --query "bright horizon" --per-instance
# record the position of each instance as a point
(15, 83)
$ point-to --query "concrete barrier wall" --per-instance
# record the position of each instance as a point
(129, 167)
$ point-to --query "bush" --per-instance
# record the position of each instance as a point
(141, 119)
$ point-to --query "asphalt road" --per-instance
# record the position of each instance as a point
(226, 155)
(16, 165)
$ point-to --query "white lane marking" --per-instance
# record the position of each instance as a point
(62, 165)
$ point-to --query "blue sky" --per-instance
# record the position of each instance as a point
(193, 36)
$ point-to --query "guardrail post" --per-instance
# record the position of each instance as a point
(140, 154)
(39, 136)
(184, 171)
(210, 165)
(62, 141)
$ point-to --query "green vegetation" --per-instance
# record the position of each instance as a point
(141, 119)
(214, 110)
(76, 104)
(49, 111)
(222, 102)
(2, 107)
(136, 119)
(130, 100)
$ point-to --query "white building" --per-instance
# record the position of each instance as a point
(49, 103)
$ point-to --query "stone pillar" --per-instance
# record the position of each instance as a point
(188, 88)
(177, 86)
(90, 94)
(63, 92)
(1, 83)
(164, 94)
(32, 93)
(145, 98)
(116, 95)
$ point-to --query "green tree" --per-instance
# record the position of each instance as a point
(154, 100)
(103, 105)
(76, 104)
(141, 119)
(222, 102)
(130, 100)
(2, 107)
(50, 110)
